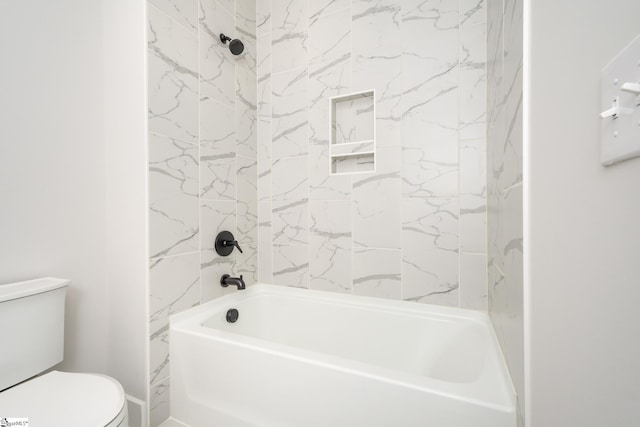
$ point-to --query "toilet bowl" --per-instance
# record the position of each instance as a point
(34, 344)
(62, 399)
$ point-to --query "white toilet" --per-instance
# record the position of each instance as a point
(31, 341)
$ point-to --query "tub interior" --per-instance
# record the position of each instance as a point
(440, 347)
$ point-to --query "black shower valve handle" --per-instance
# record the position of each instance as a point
(229, 243)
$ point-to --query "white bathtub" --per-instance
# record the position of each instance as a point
(304, 358)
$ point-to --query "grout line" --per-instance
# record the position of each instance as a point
(189, 29)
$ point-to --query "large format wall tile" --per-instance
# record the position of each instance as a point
(504, 184)
(329, 57)
(159, 403)
(291, 265)
(376, 198)
(173, 196)
(473, 196)
(377, 63)
(472, 91)
(289, 113)
(263, 17)
(217, 63)
(173, 78)
(430, 250)
(174, 285)
(415, 227)
(184, 12)
(246, 113)
(377, 273)
(217, 150)
(330, 262)
(289, 25)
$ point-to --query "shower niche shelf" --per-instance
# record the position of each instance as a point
(353, 133)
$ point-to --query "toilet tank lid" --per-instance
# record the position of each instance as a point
(17, 290)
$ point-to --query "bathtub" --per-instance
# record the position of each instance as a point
(304, 358)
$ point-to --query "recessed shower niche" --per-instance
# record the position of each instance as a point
(353, 133)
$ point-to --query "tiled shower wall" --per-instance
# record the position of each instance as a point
(202, 162)
(414, 229)
(505, 209)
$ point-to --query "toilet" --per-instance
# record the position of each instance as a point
(31, 342)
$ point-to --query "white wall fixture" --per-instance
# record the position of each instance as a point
(620, 103)
(353, 131)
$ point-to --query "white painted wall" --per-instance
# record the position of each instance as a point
(52, 163)
(584, 229)
(124, 26)
(73, 171)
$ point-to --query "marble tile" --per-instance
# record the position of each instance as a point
(431, 278)
(290, 203)
(228, 5)
(290, 179)
(430, 250)
(291, 265)
(353, 120)
(472, 90)
(473, 224)
(473, 12)
(174, 286)
(329, 57)
(247, 263)
(217, 152)
(510, 231)
(246, 114)
(376, 198)
(217, 126)
(173, 196)
(264, 159)
(217, 63)
(263, 17)
(431, 170)
(159, 403)
(377, 63)
(473, 282)
(430, 224)
(289, 113)
(330, 246)
(513, 93)
(172, 78)
(289, 26)
(377, 273)
(247, 213)
(322, 184)
(217, 174)
(265, 246)
(246, 17)
(473, 168)
(473, 202)
(497, 301)
(430, 72)
(216, 216)
(290, 222)
(263, 71)
(320, 124)
(185, 12)
(495, 65)
(318, 8)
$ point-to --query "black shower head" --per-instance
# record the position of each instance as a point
(235, 46)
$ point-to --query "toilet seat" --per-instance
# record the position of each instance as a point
(61, 399)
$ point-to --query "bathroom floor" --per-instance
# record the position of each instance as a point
(172, 423)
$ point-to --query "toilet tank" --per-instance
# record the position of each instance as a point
(32, 328)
